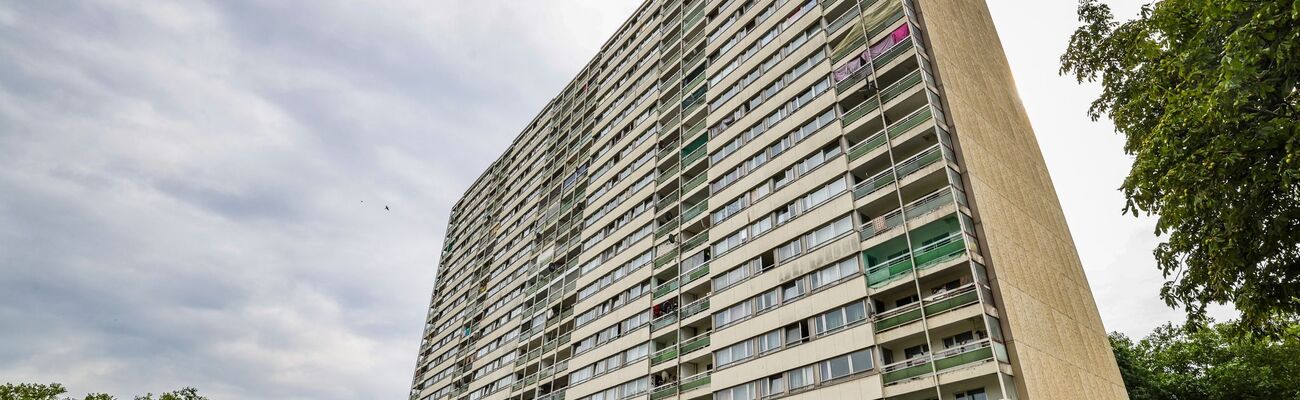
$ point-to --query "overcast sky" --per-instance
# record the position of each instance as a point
(193, 193)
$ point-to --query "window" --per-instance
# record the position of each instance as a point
(845, 365)
(977, 394)
(840, 317)
(800, 377)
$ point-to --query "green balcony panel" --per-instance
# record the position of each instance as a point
(695, 344)
(900, 87)
(873, 184)
(695, 241)
(867, 145)
(666, 258)
(663, 393)
(897, 320)
(906, 373)
(973, 356)
(886, 272)
(697, 273)
(859, 111)
(951, 303)
(665, 288)
(894, 52)
(914, 120)
(664, 356)
(949, 248)
(692, 383)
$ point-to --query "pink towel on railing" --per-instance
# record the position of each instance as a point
(888, 42)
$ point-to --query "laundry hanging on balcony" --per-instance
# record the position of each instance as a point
(894, 38)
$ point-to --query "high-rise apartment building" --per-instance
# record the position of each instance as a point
(745, 199)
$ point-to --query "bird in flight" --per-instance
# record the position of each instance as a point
(386, 208)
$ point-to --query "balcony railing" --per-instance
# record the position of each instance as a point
(948, 248)
(873, 184)
(915, 119)
(664, 355)
(897, 317)
(919, 161)
(666, 228)
(666, 258)
(930, 203)
(856, 77)
(860, 111)
(695, 210)
(867, 145)
(695, 307)
(695, 381)
(697, 273)
(902, 86)
(894, 52)
(951, 300)
(881, 224)
(666, 288)
(663, 321)
(847, 46)
(669, 201)
(885, 272)
(696, 343)
(849, 16)
(695, 241)
(693, 183)
(965, 354)
(906, 370)
(694, 156)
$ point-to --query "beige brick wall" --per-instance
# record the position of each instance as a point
(1056, 338)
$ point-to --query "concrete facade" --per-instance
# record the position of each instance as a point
(743, 199)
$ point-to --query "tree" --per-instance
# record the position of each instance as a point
(1206, 94)
(1211, 363)
(36, 391)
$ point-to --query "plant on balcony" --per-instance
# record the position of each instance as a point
(1208, 95)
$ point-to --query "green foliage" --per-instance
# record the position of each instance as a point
(1209, 363)
(183, 394)
(33, 391)
(1207, 94)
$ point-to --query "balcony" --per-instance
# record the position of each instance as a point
(902, 86)
(950, 247)
(894, 52)
(695, 210)
(663, 321)
(930, 203)
(696, 381)
(697, 273)
(666, 288)
(666, 228)
(969, 353)
(664, 355)
(695, 307)
(693, 183)
(859, 111)
(919, 161)
(897, 317)
(846, 46)
(881, 224)
(873, 184)
(695, 155)
(695, 241)
(915, 119)
(906, 370)
(696, 343)
(867, 145)
(951, 300)
(880, 274)
(666, 258)
(844, 19)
